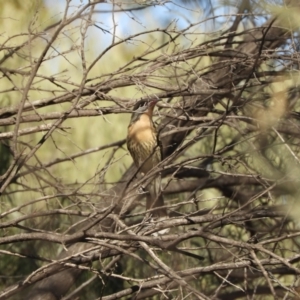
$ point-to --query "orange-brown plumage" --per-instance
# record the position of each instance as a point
(142, 143)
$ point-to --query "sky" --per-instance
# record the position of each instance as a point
(157, 16)
(128, 23)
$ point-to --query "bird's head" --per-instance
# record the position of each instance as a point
(143, 107)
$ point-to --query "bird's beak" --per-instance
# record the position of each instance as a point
(153, 102)
(151, 105)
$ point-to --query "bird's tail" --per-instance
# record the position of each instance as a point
(155, 198)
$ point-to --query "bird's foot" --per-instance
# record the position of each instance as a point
(157, 222)
(150, 223)
(141, 190)
(162, 231)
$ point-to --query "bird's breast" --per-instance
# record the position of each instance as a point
(142, 130)
(142, 144)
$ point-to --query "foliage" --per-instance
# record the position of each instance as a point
(73, 221)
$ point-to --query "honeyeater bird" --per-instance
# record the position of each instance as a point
(144, 147)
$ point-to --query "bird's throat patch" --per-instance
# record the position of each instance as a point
(142, 129)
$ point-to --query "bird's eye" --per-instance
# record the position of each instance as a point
(143, 105)
(140, 106)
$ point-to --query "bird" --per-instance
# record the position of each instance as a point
(145, 149)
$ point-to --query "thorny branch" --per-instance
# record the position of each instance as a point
(229, 125)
